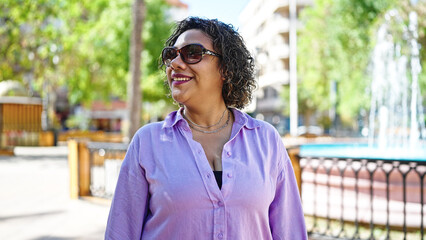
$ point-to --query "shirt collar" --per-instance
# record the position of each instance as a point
(244, 119)
(241, 118)
(173, 118)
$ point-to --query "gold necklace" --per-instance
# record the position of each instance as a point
(212, 131)
(187, 118)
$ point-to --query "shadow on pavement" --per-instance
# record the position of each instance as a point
(4, 218)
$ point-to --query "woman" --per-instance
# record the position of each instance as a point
(208, 171)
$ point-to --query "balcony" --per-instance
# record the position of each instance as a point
(278, 52)
(281, 5)
(279, 77)
(282, 24)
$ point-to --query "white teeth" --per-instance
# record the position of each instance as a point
(181, 79)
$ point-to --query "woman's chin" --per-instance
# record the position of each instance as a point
(178, 98)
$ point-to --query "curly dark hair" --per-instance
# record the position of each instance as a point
(236, 62)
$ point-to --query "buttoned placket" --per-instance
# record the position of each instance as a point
(216, 195)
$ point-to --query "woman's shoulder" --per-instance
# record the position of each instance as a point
(157, 127)
(150, 128)
(260, 124)
(147, 134)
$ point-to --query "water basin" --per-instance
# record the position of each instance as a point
(363, 151)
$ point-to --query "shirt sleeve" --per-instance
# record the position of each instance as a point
(130, 203)
(286, 217)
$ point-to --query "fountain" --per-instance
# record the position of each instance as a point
(396, 122)
(379, 182)
(396, 116)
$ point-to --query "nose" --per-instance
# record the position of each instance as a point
(177, 62)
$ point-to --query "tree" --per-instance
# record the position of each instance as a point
(82, 45)
(102, 44)
(30, 46)
(30, 33)
(133, 88)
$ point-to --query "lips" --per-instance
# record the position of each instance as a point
(180, 78)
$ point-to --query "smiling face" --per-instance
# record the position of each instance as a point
(195, 84)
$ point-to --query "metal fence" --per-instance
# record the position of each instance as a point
(363, 198)
(105, 162)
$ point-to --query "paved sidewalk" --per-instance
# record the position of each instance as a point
(35, 202)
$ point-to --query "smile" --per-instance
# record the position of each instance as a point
(181, 79)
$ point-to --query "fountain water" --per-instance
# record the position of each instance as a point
(396, 117)
(396, 122)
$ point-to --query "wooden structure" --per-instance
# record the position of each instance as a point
(83, 158)
(20, 122)
(96, 136)
(293, 153)
(79, 165)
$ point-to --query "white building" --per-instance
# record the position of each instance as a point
(178, 10)
(265, 26)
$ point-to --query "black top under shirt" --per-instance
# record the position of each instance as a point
(218, 176)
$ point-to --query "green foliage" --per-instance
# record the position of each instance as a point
(94, 51)
(156, 32)
(105, 45)
(29, 41)
(83, 45)
(336, 44)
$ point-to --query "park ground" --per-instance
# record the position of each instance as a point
(35, 202)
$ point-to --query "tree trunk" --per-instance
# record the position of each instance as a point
(134, 93)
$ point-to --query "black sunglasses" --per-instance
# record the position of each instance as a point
(191, 54)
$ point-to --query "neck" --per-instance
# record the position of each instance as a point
(206, 116)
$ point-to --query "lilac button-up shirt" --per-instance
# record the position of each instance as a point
(167, 190)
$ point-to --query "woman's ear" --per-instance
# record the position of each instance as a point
(222, 75)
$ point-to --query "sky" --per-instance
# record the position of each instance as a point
(226, 11)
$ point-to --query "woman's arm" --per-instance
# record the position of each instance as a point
(130, 203)
(286, 217)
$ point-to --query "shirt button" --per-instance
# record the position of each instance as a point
(220, 203)
(199, 151)
(228, 154)
(229, 175)
(220, 235)
(208, 175)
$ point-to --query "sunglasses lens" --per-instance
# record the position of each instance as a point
(192, 53)
(168, 55)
